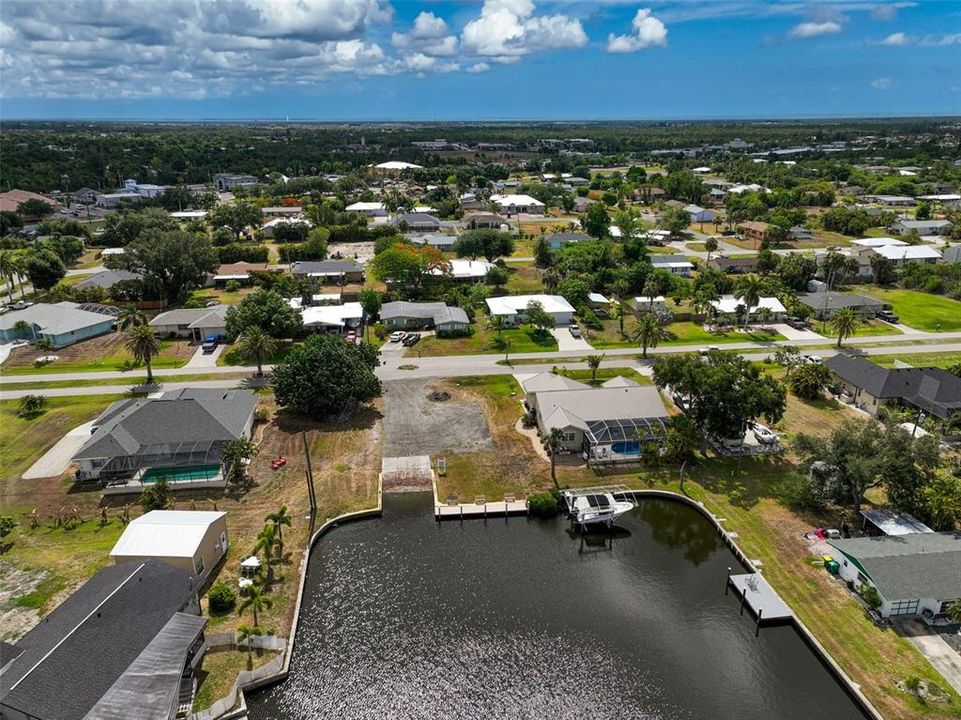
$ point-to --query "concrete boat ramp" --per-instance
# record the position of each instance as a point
(755, 592)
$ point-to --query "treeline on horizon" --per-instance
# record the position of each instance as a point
(47, 156)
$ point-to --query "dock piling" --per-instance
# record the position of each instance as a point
(757, 624)
(727, 583)
(743, 598)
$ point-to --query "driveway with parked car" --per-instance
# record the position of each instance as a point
(568, 340)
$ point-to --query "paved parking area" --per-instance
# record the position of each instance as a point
(566, 341)
(792, 334)
(202, 360)
(57, 459)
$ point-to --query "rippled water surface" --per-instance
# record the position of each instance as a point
(406, 618)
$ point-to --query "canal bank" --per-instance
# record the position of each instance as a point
(402, 616)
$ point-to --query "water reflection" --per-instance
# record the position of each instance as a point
(405, 619)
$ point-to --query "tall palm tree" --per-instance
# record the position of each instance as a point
(234, 456)
(552, 442)
(257, 601)
(496, 323)
(594, 362)
(8, 268)
(130, 316)
(142, 343)
(845, 323)
(620, 312)
(20, 267)
(266, 540)
(748, 289)
(245, 636)
(710, 245)
(256, 345)
(648, 332)
(279, 519)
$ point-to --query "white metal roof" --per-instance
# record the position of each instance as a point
(509, 200)
(513, 304)
(728, 304)
(332, 315)
(466, 268)
(362, 206)
(165, 533)
(876, 242)
(397, 165)
(909, 252)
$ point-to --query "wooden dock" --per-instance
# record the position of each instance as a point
(755, 592)
(472, 511)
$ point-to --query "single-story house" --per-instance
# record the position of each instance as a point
(271, 226)
(716, 196)
(559, 240)
(917, 573)
(106, 279)
(514, 204)
(193, 540)
(62, 323)
(238, 272)
(124, 644)
(726, 306)
(699, 214)
(733, 265)
(824, 304)
(394, 166)
(951, 254)
(403, 315)
(370, 209)
(331, 271)
(892, 200)
(675, 264)
(881, 521)
(112, 200)
(543, 382)
(754, 230)
(466, 271)
(598, 302)
(934, 391)
(800, 233)
(11, 199)
(583, 204)
(475, 220)
(922, 227)
(331, 318)
(140, 439)
(908, 254)
(417, 222)
(513, 308)
(607, 423)
(194, 323)
(287, 211)
(440, 241)
(645, 304)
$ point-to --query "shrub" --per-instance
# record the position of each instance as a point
(261, 414)
(529, 419)
(934, 285)
(32, 405)
(7, 524)
(870, 595)
(543, 505)
(380, 332)
(232, 286)
(221, 598)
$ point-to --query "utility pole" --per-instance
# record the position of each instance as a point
(310, 477)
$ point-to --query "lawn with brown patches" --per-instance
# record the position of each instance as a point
(106, 352)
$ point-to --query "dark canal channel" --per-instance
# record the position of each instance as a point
(405, 618)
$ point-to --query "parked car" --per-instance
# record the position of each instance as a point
(21, 305)
(213, 303)
(351, 336)
(397, 336)
(796, 323)
(764, 435)
(210, 344)
(813, 359)
(575, 330)
(411, 339)
(888, 316)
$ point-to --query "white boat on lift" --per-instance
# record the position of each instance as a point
(588, 508)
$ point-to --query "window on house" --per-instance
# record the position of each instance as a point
(569, 437)
(199, 566)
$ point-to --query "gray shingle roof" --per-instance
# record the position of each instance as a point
(404, 309)
(107, 279)
(74, 655)
(908, 567)
(325, 267)
(55, 319)
(835, 300)
(450, 314)
(206, 317)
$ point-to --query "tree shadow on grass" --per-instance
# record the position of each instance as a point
(745, 481)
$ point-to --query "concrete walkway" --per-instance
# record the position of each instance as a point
(941, 655)
(204, 360)
(57, 459)
(794, 334)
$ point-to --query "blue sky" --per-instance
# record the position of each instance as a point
(490, 60)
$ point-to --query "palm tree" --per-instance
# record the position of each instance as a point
(496, 323)
(845, 323)
(142, 343)
(20, 268)
(8, 268)
(245, 636)
(266, 540)
(954, 610)
(234, 456)
(254, 344)
(279, 519)
(748, 289)
(257, 601)
(594, 362)
(710, 245)
(130, 316)
(620, 312)
(552, 442)
(648, 332)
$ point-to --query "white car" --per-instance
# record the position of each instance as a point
(397, 336)
(764, 435)
(813, 359)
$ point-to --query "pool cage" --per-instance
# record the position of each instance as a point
(162, 456)
(620, 439)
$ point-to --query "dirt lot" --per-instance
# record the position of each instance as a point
(416, 425)
(106, 352)
(363, 251)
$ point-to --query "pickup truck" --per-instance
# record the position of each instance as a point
(210, 344)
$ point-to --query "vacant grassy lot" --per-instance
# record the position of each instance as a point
(232, 356)
(205, 295)
(919, 310)
(680, 333)
(524, 279)
(106, 352)
(941, 360)
(484, 341)
(871, 327)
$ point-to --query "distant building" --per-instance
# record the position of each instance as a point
(106, 279)
(754, 230)
(475, 220)
(417, 222)
(331, 271)
(402, 315)
(513, 308)
(370, 209)
(674, 264)
(922, 227)
(515, 204)
(559, 240)
(228, 181)
(823, 305)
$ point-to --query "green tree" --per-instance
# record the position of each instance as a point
(326, 376)
(538, 318)
(8, 269)
(674, 220)
(593, 363)
(45, 269)
(34, 208)
(648, 332)
(852, 453)
(142, 344)
(809, 380)
(236, 217)
(257, 346)
(748, 290)
(266, 542)
(265, 310)
(484, 242)
(31, 405)
(245, 637)
(711, 246)
(845, 323)
(496, 323)
(156, 496)
(280, 518)
(596, 221)
(543, 256)
(497, 276)
(553, 441)
(257, 600)
(123, 227)
(235, 456)
(130, 316)
(170, 263)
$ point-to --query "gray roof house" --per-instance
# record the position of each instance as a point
(62, 323)
(915, 574)
(932, 390)
(444, 243)
(125, 644)
(184, 428)
(675, 264)
(923, 227)
(330, 270)
(417, 222)
(559, 240)
(405, 315)
(195, 323)
(107, 279)
(825, 304)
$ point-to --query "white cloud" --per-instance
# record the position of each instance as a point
(648, 32)
(418, 62)
(898, 38)
(508, 29)
(806, 30)
(479, 67)
(429, 35)
(882, 83)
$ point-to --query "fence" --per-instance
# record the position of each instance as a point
(244, 679)
(257, 642)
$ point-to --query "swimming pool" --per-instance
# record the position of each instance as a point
(180, 474)
(628, 447)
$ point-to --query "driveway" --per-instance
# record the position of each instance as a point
(566, 341)
(57, 459)
(793, 334)
(201, 359)
(944, 658)
(5, 349)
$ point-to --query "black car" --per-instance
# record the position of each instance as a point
(795, 323)
(887, 316)
(411, 339)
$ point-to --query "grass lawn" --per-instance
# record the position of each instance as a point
(746, 494)
(523, 248)
(232, 356)
(941, 360)
(103, 353)
(604, 374)
(524, 279)
(484, 341)
(871, 327)
(680, 333)
(218, 670)
(919, 310)
(547, 225)
(205, 295)
(696, 246)
(38, 384)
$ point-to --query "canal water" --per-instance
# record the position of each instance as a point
(407, 618)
